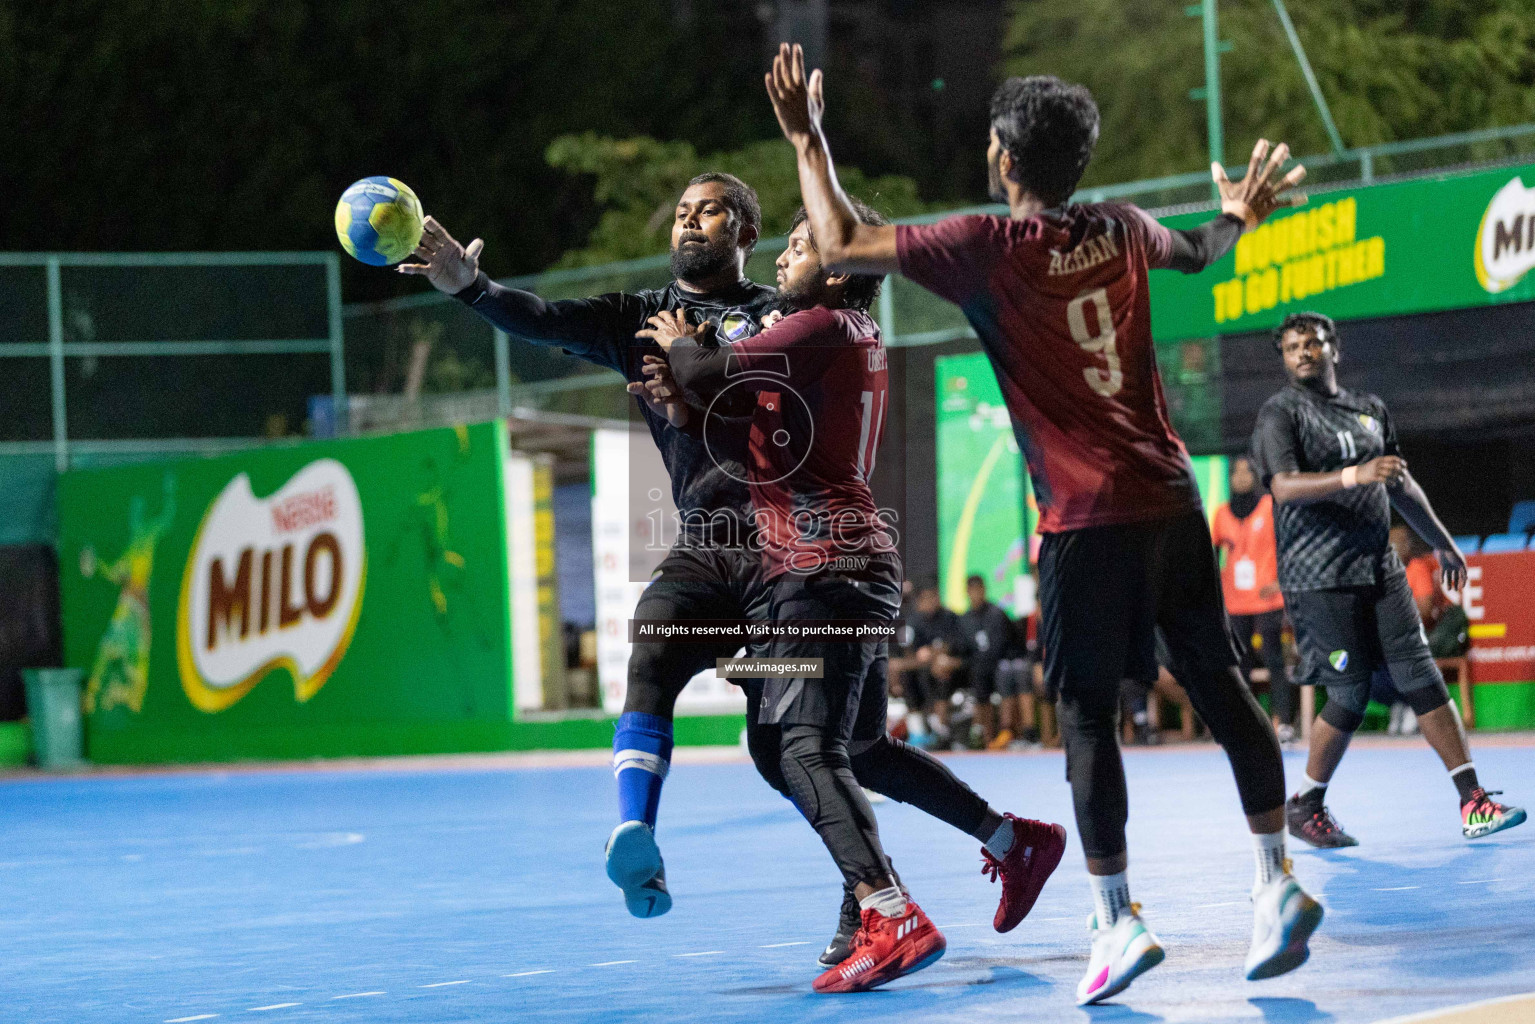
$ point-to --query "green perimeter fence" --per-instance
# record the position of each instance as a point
(474, 366)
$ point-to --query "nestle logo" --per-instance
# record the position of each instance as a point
(304, 510)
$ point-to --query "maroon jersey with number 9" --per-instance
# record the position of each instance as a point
(1061, 302)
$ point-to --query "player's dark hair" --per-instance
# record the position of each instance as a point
(861, 289)
(1050, 128)
(740, 199)
(975, 578)
(1319, 323)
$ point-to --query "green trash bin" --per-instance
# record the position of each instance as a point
(53, 704)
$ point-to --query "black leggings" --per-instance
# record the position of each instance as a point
(819, 775)
(890, 768)
(1129, 579)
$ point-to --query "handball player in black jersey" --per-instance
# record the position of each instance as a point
(715, 569)
(1330, 458)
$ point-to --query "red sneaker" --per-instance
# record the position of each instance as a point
(1036, 850)
(885, 948)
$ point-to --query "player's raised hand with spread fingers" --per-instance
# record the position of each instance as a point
(843, 243)
(797, 98)
(449, 266)
(1259, 194)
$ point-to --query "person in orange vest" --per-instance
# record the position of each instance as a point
(1244, 526)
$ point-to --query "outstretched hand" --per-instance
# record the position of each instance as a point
(797, 100)
(1257, 195)
(449, 267)
(1452, 567)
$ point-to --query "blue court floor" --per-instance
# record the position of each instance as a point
(476, 893)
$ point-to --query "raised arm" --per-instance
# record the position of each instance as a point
(844, 244)
(590, 328)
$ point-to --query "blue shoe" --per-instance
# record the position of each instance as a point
(634, 865)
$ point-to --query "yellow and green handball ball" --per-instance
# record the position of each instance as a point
(378, 220)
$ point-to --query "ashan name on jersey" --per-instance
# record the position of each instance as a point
(1090, 253)
(272, 582)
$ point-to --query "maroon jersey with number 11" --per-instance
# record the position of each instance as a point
(1061, 302)
(822, 393)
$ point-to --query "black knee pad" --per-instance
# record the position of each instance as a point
(1339, 715)
(765, 744)
(806, 754)
(1423, 699)
(657, 674)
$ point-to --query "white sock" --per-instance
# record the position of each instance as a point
(1269, 849)
(1309, 785)
(890, 902)
(916, 724)
(1111, 897)
(1001, 840)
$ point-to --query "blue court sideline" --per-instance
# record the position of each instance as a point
(454, 894)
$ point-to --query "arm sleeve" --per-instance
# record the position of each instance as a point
(598, 329)
(1276, 449)
(1193, 250)
(952, 258)
(1388, 430)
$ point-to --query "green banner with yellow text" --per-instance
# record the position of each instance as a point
(1435, 243)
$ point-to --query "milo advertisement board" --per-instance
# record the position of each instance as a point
(345, 597)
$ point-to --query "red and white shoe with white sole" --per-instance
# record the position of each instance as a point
(885, 948)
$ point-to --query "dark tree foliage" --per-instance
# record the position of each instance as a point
(235, 124)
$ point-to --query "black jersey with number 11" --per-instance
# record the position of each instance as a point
(1342, 540)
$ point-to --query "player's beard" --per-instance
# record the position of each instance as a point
(802, 294)
(706, 258)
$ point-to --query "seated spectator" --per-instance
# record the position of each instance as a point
(1143, 699)
(986, 635)
(927, 664)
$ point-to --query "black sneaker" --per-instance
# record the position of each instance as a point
(1311, 822)
(848, 922)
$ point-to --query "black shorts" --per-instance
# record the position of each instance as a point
(1104, 590)
(852, 690)
(696, 581)
(1346, 634)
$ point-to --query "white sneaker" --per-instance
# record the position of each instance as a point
(634, 865)
(1120, 954)
(1284, 917)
